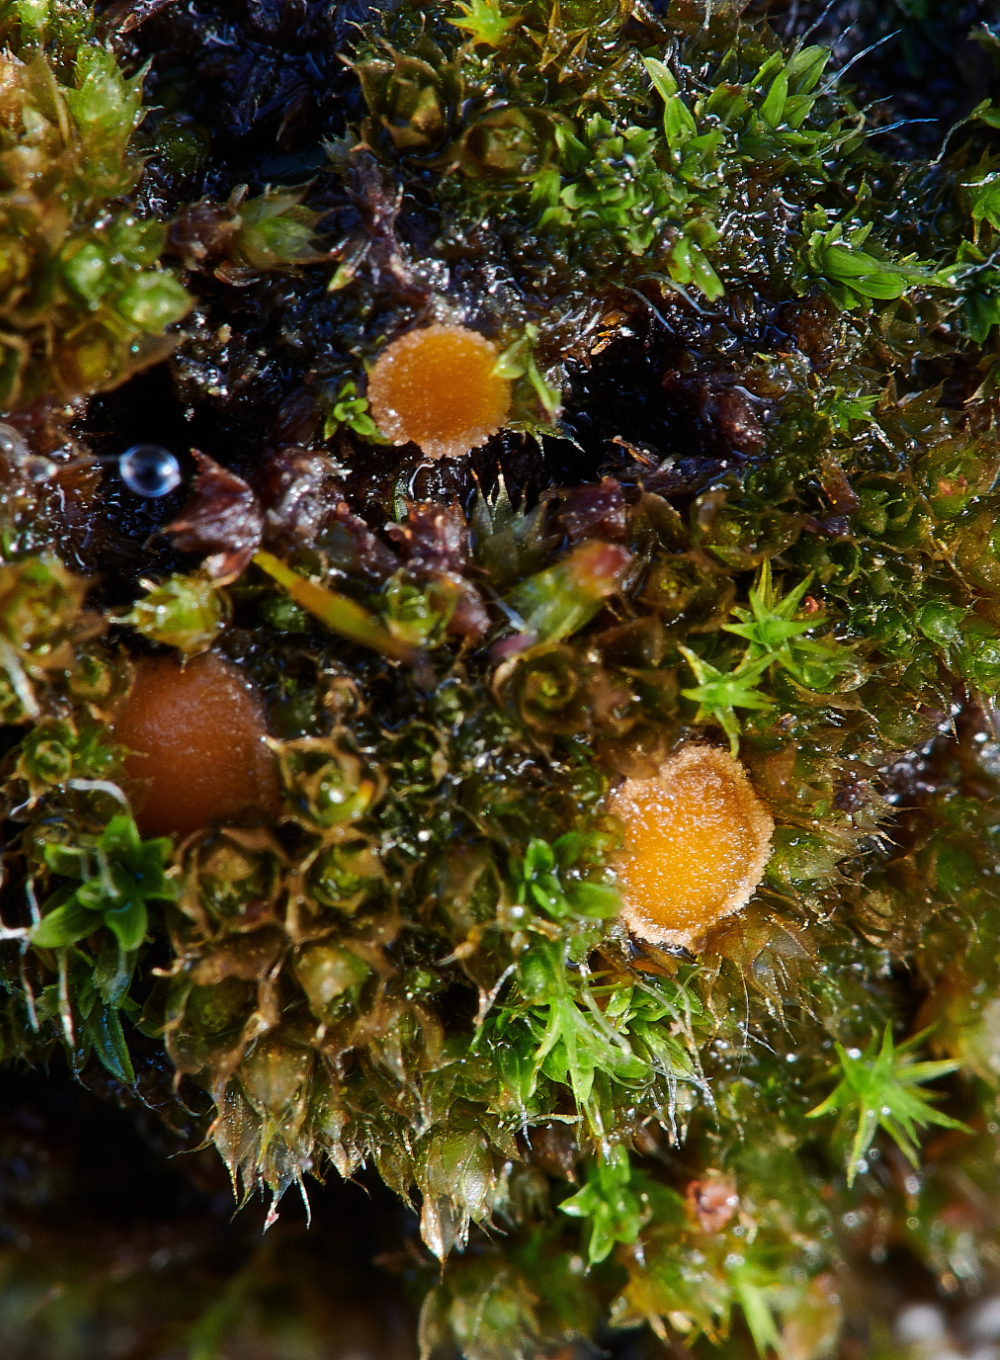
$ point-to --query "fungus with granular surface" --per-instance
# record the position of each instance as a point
(696, 843)
(438, 387)
(195, 735)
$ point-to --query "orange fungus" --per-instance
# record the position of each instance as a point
(195, 736)
(437, 387)
(697, 840)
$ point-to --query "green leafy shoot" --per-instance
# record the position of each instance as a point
(756, 1302)
(186, 612)
(276, 230)
(102, 1026)
(351, 411)
(854, 276)
(119, 873)
(91, 1023)
(610, 190)
(878, 1089)
(977, 281)
(768, 625)
(557, 1030)
(775, 635)
(841, 409)
(518, 361)
(614, 1208)
(719, 693)
(984, 112)
(679, 125)
(561, 1023)
(539, 882)
(985, 203)
(484, 22)
(555, 1037)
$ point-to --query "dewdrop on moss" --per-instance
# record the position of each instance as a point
(438, 387)
(697, 841)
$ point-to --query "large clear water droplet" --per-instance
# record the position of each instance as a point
(149, 470)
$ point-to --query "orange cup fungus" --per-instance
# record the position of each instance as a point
(697, 841)
(437, 387)
(195, 736)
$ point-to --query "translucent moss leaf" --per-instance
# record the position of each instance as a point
(128, 918)
(984, 197)
(678, 121)
(489, 1310)
(615, 1210)
(805, 67)
(64, 925)
(560, 600)
(757, 1305)
(773, 106)
(878, 1088)
(104, 1030)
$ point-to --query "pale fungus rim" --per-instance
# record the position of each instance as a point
(755, 816)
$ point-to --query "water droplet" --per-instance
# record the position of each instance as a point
(149, 470)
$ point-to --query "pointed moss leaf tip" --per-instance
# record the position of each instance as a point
(877, 1090)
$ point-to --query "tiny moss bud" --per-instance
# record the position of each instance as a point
(186, 612)
(697, 841)
(438, 388)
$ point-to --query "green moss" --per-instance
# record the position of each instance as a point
(421, 966)
(84, 304)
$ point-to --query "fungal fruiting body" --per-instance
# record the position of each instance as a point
(195, 738)
(696, 842)
(438, 387)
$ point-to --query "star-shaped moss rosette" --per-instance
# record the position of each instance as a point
(877, 1088)
(108, 883)
(118, 875)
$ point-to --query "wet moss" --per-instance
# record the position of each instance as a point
(744, 498)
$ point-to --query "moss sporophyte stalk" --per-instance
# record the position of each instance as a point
(535, 736)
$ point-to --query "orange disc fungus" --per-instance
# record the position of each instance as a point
(196, 749)
(437, 386)
(697, 840)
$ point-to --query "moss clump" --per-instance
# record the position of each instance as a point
(84, 304)
(745, 500)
